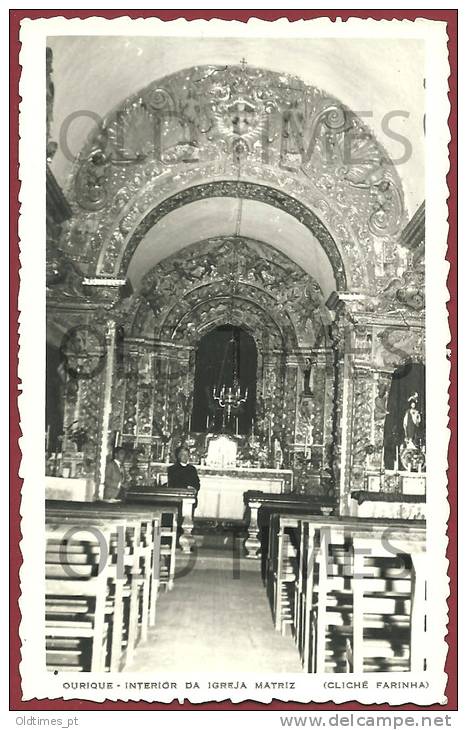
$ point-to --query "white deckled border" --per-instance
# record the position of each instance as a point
(36, 682)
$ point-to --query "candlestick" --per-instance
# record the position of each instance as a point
(396, 460)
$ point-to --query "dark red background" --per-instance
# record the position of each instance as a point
(448, 16)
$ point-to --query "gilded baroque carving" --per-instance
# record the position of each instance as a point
(234, 277)
(363, 404)
(247, 124)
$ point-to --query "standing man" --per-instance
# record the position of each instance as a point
(114, 484)
(182, 474)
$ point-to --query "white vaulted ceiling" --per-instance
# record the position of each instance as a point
(370, 76)
(206, 218)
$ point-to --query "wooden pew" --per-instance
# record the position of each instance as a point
(166, 512)
(133, 570)
(122, 553)
(261, 505)
(281, 564)
(169, 515)
(144, 520)
(352, 590)
(127, 573)
(182, 499)
(76, 600)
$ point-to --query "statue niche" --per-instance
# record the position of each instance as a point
(404, 428)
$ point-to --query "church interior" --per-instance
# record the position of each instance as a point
(235, 268)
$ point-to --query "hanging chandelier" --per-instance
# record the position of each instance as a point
(230, 398)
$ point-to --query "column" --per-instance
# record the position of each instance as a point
(107, 407)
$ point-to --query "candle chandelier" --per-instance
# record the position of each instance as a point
(230, 397)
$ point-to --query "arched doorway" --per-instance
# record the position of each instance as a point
(220, 352)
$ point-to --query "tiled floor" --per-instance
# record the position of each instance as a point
(217, 618)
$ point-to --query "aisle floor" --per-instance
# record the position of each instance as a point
(216, 618)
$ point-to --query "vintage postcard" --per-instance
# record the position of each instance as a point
(233, 357)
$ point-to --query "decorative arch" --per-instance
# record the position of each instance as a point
(239, 131)
(234, 277)
(246, 191)
(215, 311)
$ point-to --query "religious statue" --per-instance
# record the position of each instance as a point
(412, 455)
(278, 456)
(306, 377)
(381, 410)
(412, 423)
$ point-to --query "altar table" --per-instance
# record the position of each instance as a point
(221, 492)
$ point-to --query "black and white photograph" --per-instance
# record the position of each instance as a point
(238, 435)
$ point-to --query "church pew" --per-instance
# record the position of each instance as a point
(361, 599)
(139, 560)
(281, 561)
(169, 511)
(129, 573)
(147, 539)
(259, 508)
(75, 606)
(165, 512)
(358, 604)
(181, 498)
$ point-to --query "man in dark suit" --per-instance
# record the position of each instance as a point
(182, 474)
(114, 484)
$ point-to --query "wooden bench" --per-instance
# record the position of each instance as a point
(76, 594)
(352, 590)
(261, 505)
(133, 565)
(129, 573)
(180, 498)
(166, 512)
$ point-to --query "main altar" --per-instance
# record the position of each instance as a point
(221, 494)
(223, 475)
